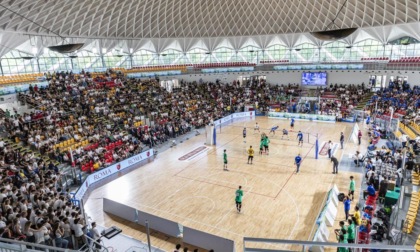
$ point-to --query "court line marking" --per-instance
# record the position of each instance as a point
(212, 175)
(293, 172)
(208, 152)
(216, 184)
(189, 219)
(329, 187)
(221, 229)
(260, 162)
(173, 194)
(205, 197)
(289, 196)
(230, 211)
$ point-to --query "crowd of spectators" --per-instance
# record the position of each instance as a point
(340, 100)
(94, 122)
(404, 99)
(35, 209)
(101, 120)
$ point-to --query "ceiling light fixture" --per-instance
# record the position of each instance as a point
(63, 48)
(333, 35)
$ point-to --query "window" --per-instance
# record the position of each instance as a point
(224, 54)
(250, 54)
(197, 56)
(142, 58)
(114, 58)
(52, 61)
(335, 51)
(168, 57)
(13, 63)
(276, 52)
(87, 60)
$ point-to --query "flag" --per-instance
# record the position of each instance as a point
(214, 136)
(73, 164)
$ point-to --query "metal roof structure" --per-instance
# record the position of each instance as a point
(157, 25)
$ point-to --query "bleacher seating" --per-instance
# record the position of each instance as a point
(182, 67)
(20, 78)
(415, 126)
(409, 132)
(415, 178)
(412, 212)
(274, 61)
(375, 59)
(406, 60)
(228, 64)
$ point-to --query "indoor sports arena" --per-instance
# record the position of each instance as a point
(210, 126)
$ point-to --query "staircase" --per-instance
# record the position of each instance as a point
(365, 100)
(413, 236)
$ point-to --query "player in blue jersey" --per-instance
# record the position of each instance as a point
(300, 138)
(298, 161)
(292, 123)
(285, 134)
(244, 134)
(273, 129)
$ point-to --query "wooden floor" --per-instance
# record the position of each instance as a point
(197, 193)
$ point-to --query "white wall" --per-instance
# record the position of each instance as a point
(294, 76)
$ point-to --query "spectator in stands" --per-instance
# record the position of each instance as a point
(370, 191)
(358, 158)
(409, 167)
(177, 248)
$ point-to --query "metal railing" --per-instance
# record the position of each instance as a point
(93, 245)
(295, 245)
(20, 246)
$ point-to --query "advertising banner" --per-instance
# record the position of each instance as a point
(228, 118)
(110, 170)
(304, 117)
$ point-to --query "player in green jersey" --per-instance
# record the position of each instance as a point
(238, 198)
(225, 161)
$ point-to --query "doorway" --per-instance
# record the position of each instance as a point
(377, 82)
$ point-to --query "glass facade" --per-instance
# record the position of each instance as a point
(18, 62)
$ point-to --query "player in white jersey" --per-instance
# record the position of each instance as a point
(257, 128)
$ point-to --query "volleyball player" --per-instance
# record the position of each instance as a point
(244, 134)
(250, 154)
(285, 133)
(300, 138)
(273, 129)
(292, 123)
(257, 128)
(238, 198)
(225, 161)
(261, 145)
(266, 142)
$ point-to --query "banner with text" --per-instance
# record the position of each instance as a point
(304, 117)
(110, 170)
(228, 118)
